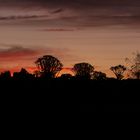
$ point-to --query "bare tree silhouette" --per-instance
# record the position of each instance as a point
(83, 70)
(48, 66)
(118, 71)
(135, 66)
(98, 75)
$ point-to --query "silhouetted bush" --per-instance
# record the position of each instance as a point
(66, 77)
(5, 75)
(83, 70)
(97, 75)
(23, 75)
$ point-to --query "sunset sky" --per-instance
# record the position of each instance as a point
(100, 32)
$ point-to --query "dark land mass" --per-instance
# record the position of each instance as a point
(57, 95)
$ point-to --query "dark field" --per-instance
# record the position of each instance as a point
(27, 96)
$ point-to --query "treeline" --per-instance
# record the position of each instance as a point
(49, 67)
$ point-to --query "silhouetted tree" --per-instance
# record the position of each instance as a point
(83, 70)
(48, 66)
(118, 71)
(5, 75)
(97, 75)
(135, 66)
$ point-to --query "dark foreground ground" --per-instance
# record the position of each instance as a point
(42, 96)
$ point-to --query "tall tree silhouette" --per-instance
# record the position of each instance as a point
(118, 71)
(135, 66)
(83, 70)
(48, 66)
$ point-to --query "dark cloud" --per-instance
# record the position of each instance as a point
(16, 52)
(57, 11)
(57, 30)
(22, 17)
(80, 8)
(70, 3)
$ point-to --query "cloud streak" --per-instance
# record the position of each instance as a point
(58, 30)
(74, 12)
(22, 17)
(86, 7)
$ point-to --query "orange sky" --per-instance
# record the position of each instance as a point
(103, 35)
